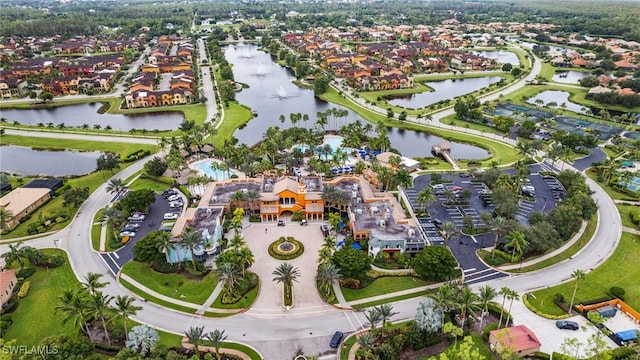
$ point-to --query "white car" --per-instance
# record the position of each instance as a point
(174, 197)
(175, 204)
(127, 233)
(136, 217)
(171, 216)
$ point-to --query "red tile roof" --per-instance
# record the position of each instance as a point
(522, 338)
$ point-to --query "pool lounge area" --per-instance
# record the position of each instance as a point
(204, 167)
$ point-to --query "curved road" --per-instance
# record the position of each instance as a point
(277, 335)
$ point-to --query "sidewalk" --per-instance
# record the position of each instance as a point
(186, 304)
(557, 251)
(28, 237)
(631, 230)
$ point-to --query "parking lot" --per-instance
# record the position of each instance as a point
(547, 193)
(153, 220)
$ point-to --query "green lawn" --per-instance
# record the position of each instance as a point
(157, 184)
(383, 285)
(451, 120)
(389, 300)
(577, 246)
(244, 303)
(96, 228)
(234, 116)
(34, 318)
(624, 214)
(619, 270)
(172, 285)
(123, 149)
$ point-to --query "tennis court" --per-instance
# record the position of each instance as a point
(634, 184)
(579, 126)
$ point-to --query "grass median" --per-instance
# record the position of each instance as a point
(382, 286)
(619, 270)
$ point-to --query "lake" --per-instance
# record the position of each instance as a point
(27, 161)
(442, 90)
(502, 56)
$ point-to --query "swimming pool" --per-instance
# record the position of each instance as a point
(634, 184)
(334, 141)
(205, 168)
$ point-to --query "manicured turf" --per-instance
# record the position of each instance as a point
(624, 214)
(123, 149)
(244, 303)
(172, 285)
(155, 300)
(234, 116)
(383, 285)
(34, 319)
(577, 246)
(389, 300)
(619, 270)
(96, 228)
(157, 184)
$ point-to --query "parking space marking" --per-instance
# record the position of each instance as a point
(351, 323)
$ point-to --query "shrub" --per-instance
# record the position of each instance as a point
(24, 289)
(525, 299)
(162, 266)
(245, 285)
(350, 283)
(623, 352)
(541, 355)
(618, 292)
(487, 329)
(275, 253)
(558, 298)
(6, 317)
(4, 325)
(11, 306)
(25, 272)
(634, 214)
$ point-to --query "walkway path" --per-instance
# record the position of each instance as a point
(631, 230)
(214, 295)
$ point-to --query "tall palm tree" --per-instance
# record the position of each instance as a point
(76, 307)
(500, 226)
(425, 197)
(115, 186)
(443, 299)
(386, 312)
(328, 274)
(578, 275)
(98, 307)
(217, 337)
(467, 302)
(513, 295)
(286, 273)
(236, 241)
(17, 252)
(229, 273)
(195, 335)
(112, 217)
(92, 282)
(504, 292)
(191, 240)
(124, 308)
(329, 243)
(373, 317)
(164, 243)
(448, 230)
(5, 215)
(324, 256)
(486, 294)
(245, 258)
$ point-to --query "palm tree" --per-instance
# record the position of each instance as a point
(448, 230)
(92, 282)
(98, 307)
(505, 291)
(164, 243)
(513, 295)
(365, 341)
(329, 243)
(75, 305)
(328, 274)
(324, 256)
(111, 217)
(578, 275)
(245, 258)
(486, 294)
(386, 312)
(467, 302)
(195, 335)
(229, 273)
(425, 197)
(236, 241)
(17, 252)
(191, 240)
(5, 215)
(124, 308)
(373, 317)
(217, 337)
(499, 225)
(517, 243)
(115, 186)
(443, 300)
(286, 273)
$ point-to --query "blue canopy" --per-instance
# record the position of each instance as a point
(627, 335)
(356, 246)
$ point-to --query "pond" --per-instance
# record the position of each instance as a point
(530, 45)
(569, 77)
(442, 90)
(271, 93)
(559, 97)
(78, 115)
(27, 161)
(502, 56)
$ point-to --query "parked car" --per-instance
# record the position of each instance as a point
(336, 339)
(171, 216)
(175, 204)
(168, 193)
(174, 197)
(566, 324)
(133, 225)
(136, 217)
(127, 233)
(129, 228)
(304, 222)
(325, 230)
(280, 222)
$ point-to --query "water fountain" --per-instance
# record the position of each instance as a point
(282, 94)
(260, 71)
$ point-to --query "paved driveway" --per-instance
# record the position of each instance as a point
(306, 298)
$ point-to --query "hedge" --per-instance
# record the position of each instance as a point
(24, 289)
(276, 254)
(25, 272)
(634, 214)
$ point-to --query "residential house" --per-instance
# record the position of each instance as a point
(518, 340)
(10, 88)
(8, 282)
(22, 202)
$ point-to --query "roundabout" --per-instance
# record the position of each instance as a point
(286, 248)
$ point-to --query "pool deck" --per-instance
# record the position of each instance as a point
(193, 166)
